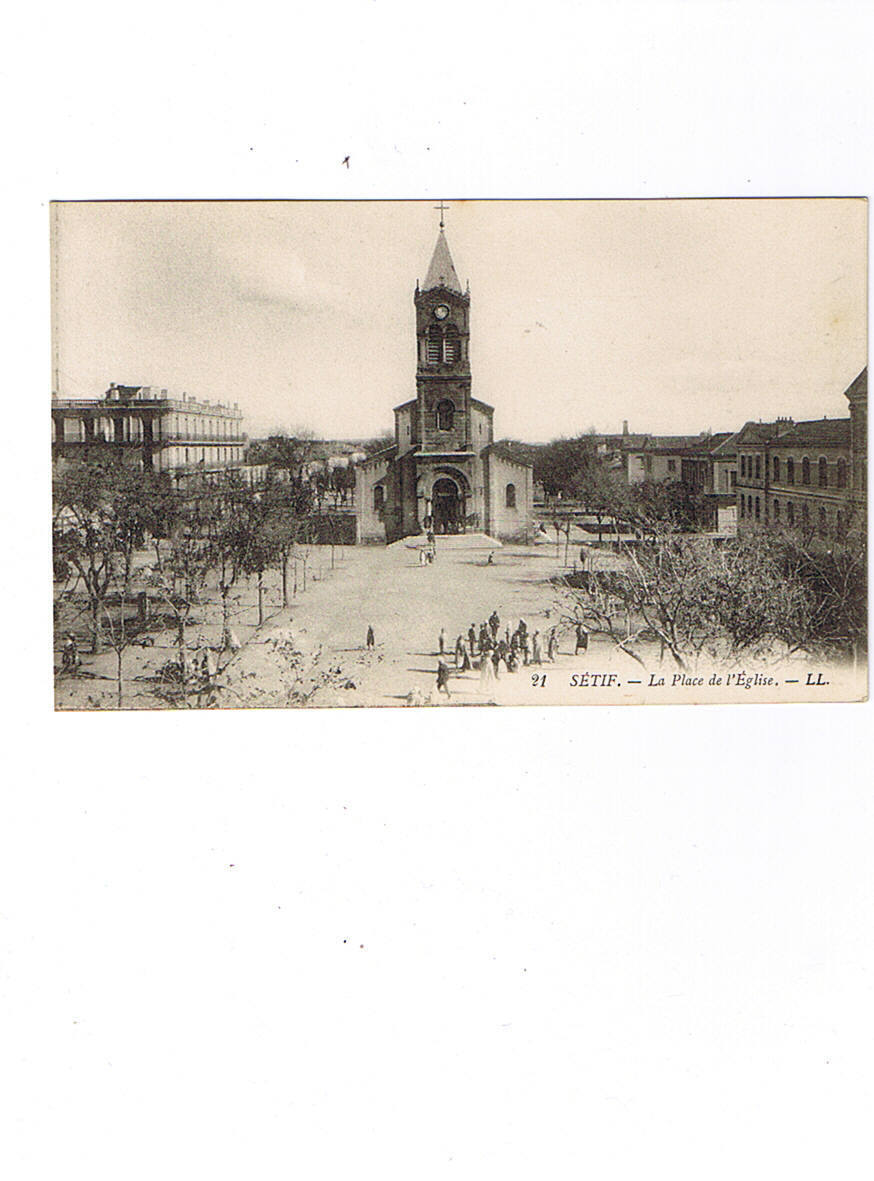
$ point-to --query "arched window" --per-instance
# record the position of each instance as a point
(790, 512)
(823, 520)
(790, 471)
(378, 497)
(451, 345)
(510, 496)
(758, 467)
(776, 510)
(842, 473)
(776, 468)
(742, 507)
(445, 415)
(758, 509)
(743, 467)
(805, 470)
(433, 345)
(805, 514)
(823, 472)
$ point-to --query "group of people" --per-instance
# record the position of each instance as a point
(494, 652)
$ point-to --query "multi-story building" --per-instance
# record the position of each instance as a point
(659, 457)
(710, 469)
(857, 396)
(751, 444)
(808, 474)
(151, 429)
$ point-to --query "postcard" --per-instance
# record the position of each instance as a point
(393, 453)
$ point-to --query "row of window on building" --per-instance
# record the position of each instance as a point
(784, 471)
(754, 508)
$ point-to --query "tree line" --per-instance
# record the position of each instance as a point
(105, 514)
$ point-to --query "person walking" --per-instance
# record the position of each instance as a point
(465, 658)
(443, 677)
(536, 649)
(494, 624)
(552, 646)
(582, 640)
(486, 673)
(485, 640)
(371, 640)
(441, 641)
(69, 653)
(471, 639)
(459, 644)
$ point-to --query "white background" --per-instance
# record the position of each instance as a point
(422, 943)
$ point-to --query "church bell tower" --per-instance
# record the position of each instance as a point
(443, 382)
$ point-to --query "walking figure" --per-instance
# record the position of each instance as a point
(441, 641)
(69, 653)
(536, 650)
(582, 644)
(371, 641)
(443, 677)
(552, 646)
(471, 639)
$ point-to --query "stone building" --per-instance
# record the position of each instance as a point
(444, 470)
(151, 429)
(806, 474)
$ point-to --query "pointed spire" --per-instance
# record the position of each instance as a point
(441, 272)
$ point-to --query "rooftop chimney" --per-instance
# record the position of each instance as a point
(625, 426)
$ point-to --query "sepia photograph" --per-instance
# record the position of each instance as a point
(399, 453)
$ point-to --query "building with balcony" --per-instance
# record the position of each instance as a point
(150, 429)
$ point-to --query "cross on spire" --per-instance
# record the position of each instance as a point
(442, 209)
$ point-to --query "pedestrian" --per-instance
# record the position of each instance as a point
(526, 649)
(536, 649)
(471, 639)
(371, 640)
(494, 624)
(496, 661)
(441, 641)
(486, 673)
(69, 653)
(423, 557)
(512, 661)
(552, 646)
(490, 560)
(443, 677)
(465, 658)
(582, 644)
(459, 644)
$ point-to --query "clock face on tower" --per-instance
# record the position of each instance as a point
(441, 311)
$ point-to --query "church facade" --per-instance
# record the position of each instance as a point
(444, 471)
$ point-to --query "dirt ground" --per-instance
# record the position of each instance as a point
(314, 652)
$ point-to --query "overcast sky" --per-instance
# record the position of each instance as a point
(675, 315)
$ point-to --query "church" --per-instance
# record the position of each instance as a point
(444, 472)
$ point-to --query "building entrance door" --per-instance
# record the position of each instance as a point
(446, 507)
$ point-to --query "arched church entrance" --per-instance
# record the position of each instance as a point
(447, 507)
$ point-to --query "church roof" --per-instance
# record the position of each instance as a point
(441, 272)
(513, 451)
